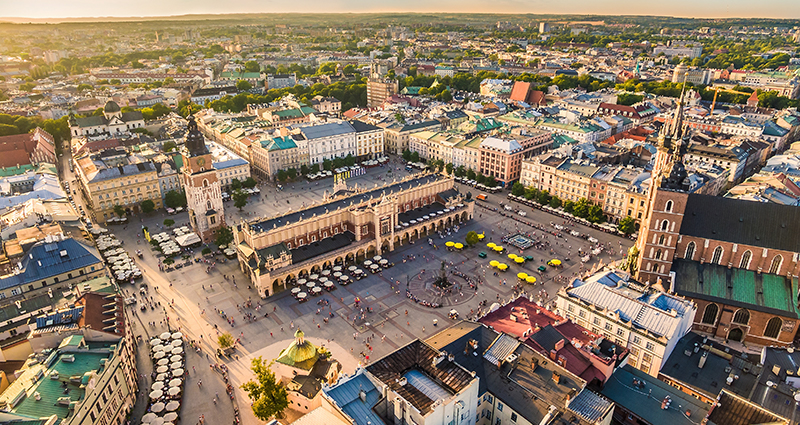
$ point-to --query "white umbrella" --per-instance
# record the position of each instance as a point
(171, 416)
(173, 391)
(352, 268)
(301, 282)
(311, 284)
(177, 335)
(155, 341)
(162, 369)
(159, 354)
(158, 420)
(302, 295)
(172, 406)
(374, 267)
(177, 372)
(177, 343)
(165, 336)
(337, 274)
(156, 394)
(325, 272)
(163, 362)
(376, 258)
(316, 290)
(157, 386)
(176, 365)
(148, 417)
(175, 382)
(158, 348)
(176, 358)
(359, 271)
(343, 278)
(177, 350)
(384, 261)
(314, 277)
(337, 268)
(161, 377)
(368, 263)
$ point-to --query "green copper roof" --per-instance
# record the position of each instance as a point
(300, 353)
(738, 287)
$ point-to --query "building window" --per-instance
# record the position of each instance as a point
(582, 313)
(668, 207)
(649, 346)
(665, 225)
(637, 339)
(513, 417)
(596, 321)
(745, 263)
(658, 254)
(689, 251)
(773, 327)
(571, 308)
(620, 332)
(499, 407)
(609, 326)
(710, 314)
(742, 316)
(775, 267)
(661, 239)
(717, 255)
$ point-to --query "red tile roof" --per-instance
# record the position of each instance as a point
(520, 91)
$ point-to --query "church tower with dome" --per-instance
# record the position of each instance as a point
(669, 190)
(203, 189)
(304, 369)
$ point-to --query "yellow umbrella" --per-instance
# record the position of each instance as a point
(481, 236)
(522, 276)
(449, 244)
(491, 245)
(512, 256)
(519, 260)
(530, 279)
(459, 245)
(502, 267)
(494, 263)
(555, 262)
(498, 248)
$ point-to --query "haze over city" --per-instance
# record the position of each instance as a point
(57, 9)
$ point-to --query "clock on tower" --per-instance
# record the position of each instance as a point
(203, 189)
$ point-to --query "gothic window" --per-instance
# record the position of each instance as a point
(205, 183)
(661, 240)
(665, 225)
(773, 327)
(742, 316)
(655, 268)
(658, 255)
(689, 251)
(710, 314)
(745, 263)
(775, 267)
(208, 205)
(717, 255)
(668, 207)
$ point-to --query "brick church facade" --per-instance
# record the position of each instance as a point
(738, 260)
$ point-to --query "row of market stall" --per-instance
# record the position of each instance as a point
(122, 266)
(166, 392)
(326, 279)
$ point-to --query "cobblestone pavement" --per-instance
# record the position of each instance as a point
(394, 321)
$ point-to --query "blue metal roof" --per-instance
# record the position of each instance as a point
(230, 163)
(346, 395)
(51, 259)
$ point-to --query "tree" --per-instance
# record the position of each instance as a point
(252, 66)
(236, 184)
(84, 87)
(471, 174)
(304, 169)
(269, 397)
(555, 202)
(239, 199)
(461, 171)
(595, 214)
(327, 165)
(118, 210)
(315, 169)
(627, 225)
(471, 238)
(169, 222)
(490, 181)
(291, 173)
(175, 199)
(225, 340)
(148, 206)
(249, 183)
(480, 178)
(415, 156)
(407, 155)
(224, 236)
(349, 160)
(243, 85)
(449, 167)
(518, 189)
(169, 146)
(544, 197)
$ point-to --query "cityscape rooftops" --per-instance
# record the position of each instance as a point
(347, 394)
(329, 129)
(51, 258)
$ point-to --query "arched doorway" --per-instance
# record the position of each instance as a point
(277, 286)
(371, 251)
(735, 334)
(360, 255)
(423, 231)
(385, 246)
(405, 239)
(315, 269)
(327, 264)
(350, 258)
(397, 241)
(414, 235)
(464, 216)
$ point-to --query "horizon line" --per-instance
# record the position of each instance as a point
(26, 19)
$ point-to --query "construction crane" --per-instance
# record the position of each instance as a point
(719, 89)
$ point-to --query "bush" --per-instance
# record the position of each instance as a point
(206, 251)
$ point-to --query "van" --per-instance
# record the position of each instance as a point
(508, 207)
(522, 213)
(481, 197)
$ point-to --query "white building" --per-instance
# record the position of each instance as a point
(329, 140)
(369, 140)
(649, 323)
(229, 166)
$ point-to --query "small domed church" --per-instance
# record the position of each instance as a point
(304, 368)
(113, 121)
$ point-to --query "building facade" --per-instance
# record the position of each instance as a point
(202, 186)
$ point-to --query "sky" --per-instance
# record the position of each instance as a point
(120, 8)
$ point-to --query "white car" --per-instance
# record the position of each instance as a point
(509, 207)
(522, 213)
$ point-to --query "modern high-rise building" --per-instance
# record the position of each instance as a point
(379, 89)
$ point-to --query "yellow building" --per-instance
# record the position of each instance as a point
(109, 180)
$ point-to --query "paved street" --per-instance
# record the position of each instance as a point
(197, 294)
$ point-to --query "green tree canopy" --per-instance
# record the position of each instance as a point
(252, 66)
(236, 184)
(249, 183)
(169, 146)
(627, 225)
(268, 396)
(243, 85)
(225, 340)
(175, 199)
(118, 210)
(518, 189)
(169, 222)
(148, 206)
(471, 238)
(239, 199)
(224, 236)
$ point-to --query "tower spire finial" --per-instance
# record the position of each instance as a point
(677, 121)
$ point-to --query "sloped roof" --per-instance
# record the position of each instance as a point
(764, 292)
(346, 395)
(45, 260)
(758, 224)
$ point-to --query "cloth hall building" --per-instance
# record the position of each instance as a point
(347, 228)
